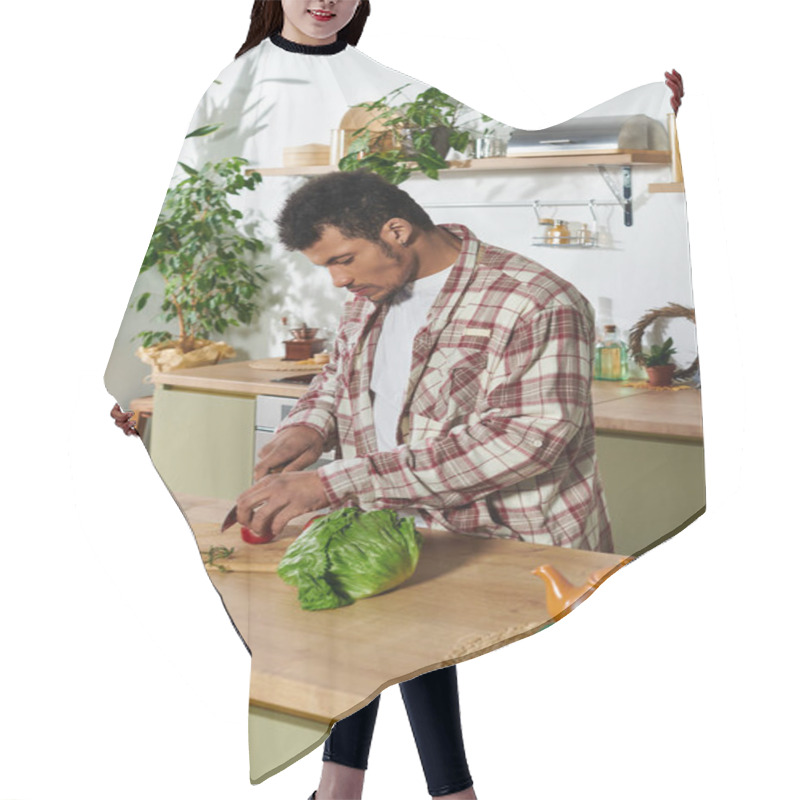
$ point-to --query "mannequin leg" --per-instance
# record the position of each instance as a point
(346, 753)
(431, 701)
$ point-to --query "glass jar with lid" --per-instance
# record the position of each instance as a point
(557, 233)
(611, 356)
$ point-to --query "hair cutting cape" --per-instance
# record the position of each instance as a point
(627, 254)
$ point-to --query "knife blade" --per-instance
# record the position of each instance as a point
(230, 518)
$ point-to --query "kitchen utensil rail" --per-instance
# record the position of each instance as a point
(622, 197)
(519, 205)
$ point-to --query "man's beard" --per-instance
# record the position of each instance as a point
(401, 291)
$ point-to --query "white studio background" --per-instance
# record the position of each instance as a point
(120, 674)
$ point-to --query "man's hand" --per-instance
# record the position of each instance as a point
(290, 450)
(274, 500)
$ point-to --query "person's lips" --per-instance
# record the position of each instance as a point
(361, 291)
(322, 16)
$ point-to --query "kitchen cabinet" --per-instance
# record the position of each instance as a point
(201, 441)
(654, 487)
(651, 456)
(203, 438)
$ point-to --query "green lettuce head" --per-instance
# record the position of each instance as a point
(349, 555)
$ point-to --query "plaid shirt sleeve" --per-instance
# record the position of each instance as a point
(316, 408)
(537, 399)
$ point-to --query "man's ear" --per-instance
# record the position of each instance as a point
(397, 231)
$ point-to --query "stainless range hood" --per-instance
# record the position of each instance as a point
(595, 134)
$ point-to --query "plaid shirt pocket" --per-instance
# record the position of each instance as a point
(451, 386)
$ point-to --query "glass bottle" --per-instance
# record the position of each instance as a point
(545, 222)
(611, 356)
(557, 233)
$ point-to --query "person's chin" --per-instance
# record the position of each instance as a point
(386, 296)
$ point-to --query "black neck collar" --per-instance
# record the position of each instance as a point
(308, 49)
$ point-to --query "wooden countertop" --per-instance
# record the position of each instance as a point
(671, 413)
(468, 596)
(233, 377)
(618, 409)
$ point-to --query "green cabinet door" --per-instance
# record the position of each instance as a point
(653, 487)
(202, 442)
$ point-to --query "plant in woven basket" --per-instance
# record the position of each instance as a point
(211, 274)
(420, 132)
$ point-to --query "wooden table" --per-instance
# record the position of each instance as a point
(468, 596)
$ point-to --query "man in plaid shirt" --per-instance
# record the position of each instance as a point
(495, 435)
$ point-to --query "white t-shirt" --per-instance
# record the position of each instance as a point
(407, 314)
(392, 367)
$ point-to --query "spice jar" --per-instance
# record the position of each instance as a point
(557, 233)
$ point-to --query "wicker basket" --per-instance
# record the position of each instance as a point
(307, 155)
(353, 120)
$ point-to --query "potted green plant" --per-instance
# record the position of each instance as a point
(420, 132)
(211, 275)
(658, 363)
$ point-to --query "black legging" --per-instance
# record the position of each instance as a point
(431, 702)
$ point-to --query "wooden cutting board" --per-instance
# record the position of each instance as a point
(245, 557)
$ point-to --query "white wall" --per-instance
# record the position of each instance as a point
(635, 268)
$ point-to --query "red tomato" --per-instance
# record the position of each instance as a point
(252, 538)
(311, 522)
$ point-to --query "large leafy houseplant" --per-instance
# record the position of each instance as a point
(211, 276)
(421, 132)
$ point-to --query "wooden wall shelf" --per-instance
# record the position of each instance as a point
(578, 158)
(656, 188)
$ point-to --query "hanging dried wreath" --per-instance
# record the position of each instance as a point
(637, 332)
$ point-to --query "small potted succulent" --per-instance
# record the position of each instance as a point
(658, 363)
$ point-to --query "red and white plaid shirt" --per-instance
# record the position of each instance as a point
(496, 437)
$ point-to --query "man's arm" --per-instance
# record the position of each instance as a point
(538, 401)
(315, 409)
(308, 430)
(302, 437)
(310, 427)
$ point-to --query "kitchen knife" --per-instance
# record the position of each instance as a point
(230, 518)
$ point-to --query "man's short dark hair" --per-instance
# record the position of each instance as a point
(359, 204)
